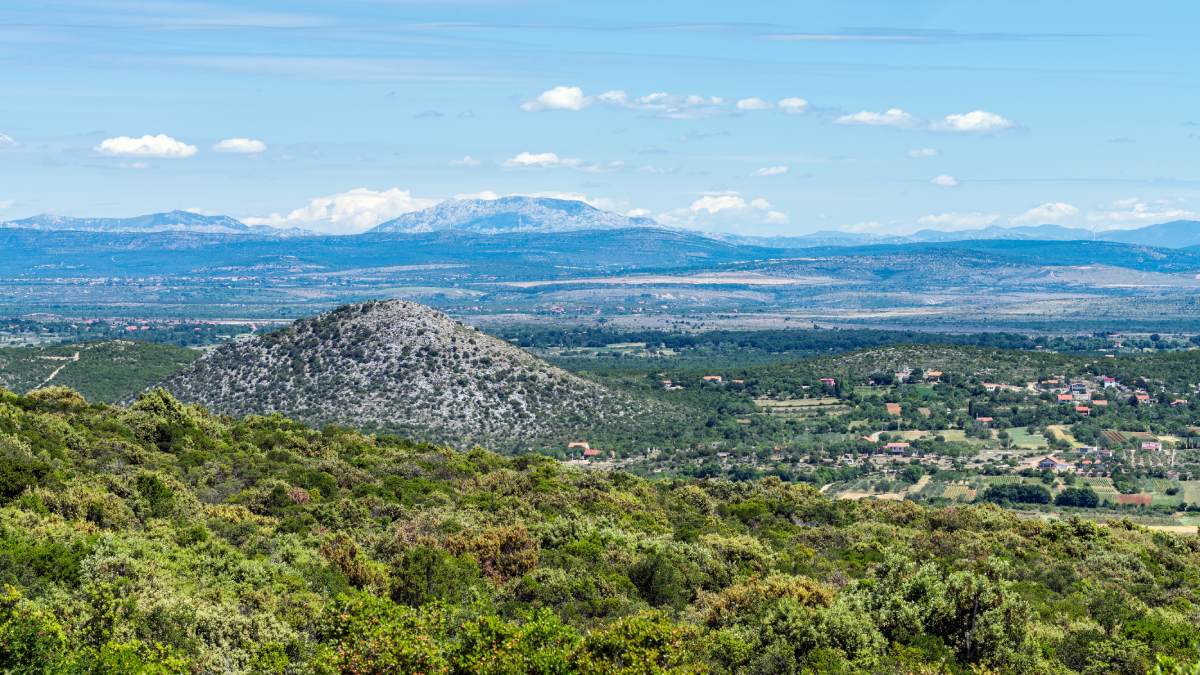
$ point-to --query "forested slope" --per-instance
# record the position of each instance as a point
(159, 538)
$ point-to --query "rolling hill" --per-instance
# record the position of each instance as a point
(399, 366)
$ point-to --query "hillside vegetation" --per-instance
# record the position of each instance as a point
(159, 538)
(400, 366)
(114, 370)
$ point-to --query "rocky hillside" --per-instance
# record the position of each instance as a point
(402, 367)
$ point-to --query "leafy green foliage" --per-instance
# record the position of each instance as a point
(159, 538)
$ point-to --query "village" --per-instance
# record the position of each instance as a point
(937, 435)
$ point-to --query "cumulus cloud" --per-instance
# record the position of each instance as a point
(558, 98)
(467, 160)
(1133, 212)
(976, 121)
(551, 160)
(660, 103)
(486, 195)
(793, 105)
(1050, 212)
(918, 153)
(753, 103)
(771, 171)
(724, 209)
(958, 221)
(892, 117)
(945, 181)
(7, 141)
(347, 212)
(540, 160)
(668, 105)
(161, 145)
(242, 146)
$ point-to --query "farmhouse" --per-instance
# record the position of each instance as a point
(1053, 463)
(896, 448)
(1083, 410)
(712, 378)
(1152, 446)
(828, 381)
(1065, 398)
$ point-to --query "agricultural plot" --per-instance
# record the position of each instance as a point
(1021, 438)
(1060, 431)
(959, 492)
(1191, 491)
(1114, 437)
(1001, 480)
(802, 406)
(1163, 499)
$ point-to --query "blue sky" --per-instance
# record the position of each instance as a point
(751, 117)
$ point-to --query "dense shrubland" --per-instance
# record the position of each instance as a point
(159, 538)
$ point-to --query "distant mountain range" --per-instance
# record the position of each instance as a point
(1175, 234)
(507, 215)
(171, 221)
(511, 214)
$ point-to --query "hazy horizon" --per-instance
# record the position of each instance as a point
(747, 120)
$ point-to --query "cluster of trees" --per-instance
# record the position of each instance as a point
(792, 341)
(159, 538)
(1018, 493)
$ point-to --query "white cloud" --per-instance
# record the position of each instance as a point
(714, 204)
(161, 145)
(6, 204)
(958, 221)
(558, 98)
(486, 195)
(976, 121)
(663, 104)
(892, 117)
(638, 213)
(671, 106)
(1050, 212)
(348, 212)
(540, 160)
(724, 209)
(243, 146)
(467, 160)
(753, 103)
(945, 181)
(793, 105)
(918, 153)
(771, 171)
(7, 141)
(1134, 212)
